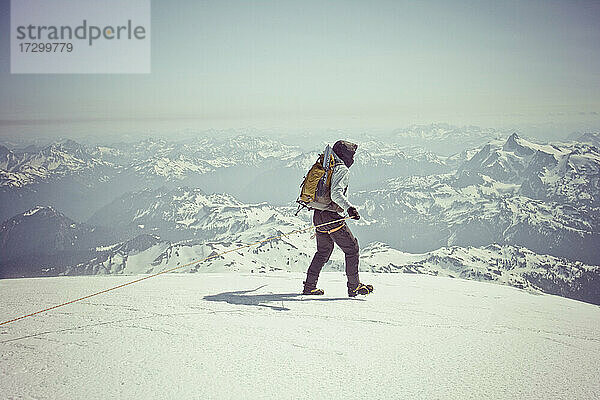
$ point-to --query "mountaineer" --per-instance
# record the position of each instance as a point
(329, 201)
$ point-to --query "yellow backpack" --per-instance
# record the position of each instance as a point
(315, 188)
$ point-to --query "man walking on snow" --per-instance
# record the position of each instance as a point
(337, 232)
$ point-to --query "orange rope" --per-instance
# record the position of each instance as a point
(170, 270)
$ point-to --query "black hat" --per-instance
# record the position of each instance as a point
(345, 150)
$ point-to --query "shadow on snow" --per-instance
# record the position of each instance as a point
(262, 300)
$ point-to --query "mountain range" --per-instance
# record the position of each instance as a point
(544, 197)
(79, 179)
(511, 211)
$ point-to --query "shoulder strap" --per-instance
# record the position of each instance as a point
(330, 170)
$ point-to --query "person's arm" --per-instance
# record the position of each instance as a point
(339, 183)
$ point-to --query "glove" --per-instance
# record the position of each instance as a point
(353, 213)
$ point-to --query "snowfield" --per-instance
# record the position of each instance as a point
(235, 335)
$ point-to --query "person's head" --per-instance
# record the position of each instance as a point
(345, 150)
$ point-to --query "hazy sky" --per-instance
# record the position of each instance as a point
(227, 63)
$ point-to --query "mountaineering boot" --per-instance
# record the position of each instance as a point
(361, 288)
(315, 291)
(312, 290)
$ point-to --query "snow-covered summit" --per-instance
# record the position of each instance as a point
(19, 168)
(507, 265)
(231, 336)
(184, 212)
(174, 160)
(566, 172)
(469, 209)
(40, 231)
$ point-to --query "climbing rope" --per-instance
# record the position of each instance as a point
(172, 269)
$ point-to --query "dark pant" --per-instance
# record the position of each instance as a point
(343, 238)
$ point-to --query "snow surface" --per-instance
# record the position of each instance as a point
(237, 335)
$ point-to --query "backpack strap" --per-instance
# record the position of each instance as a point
(330, 170)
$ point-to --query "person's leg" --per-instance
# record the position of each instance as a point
(324, 249)
(349, 245)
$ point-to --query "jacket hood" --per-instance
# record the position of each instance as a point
(345, 151)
